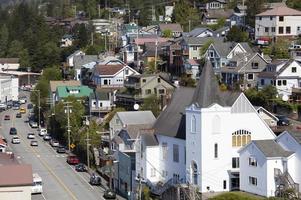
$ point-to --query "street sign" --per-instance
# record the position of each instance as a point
(72, 146)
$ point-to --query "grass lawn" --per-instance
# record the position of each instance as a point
(236, 196)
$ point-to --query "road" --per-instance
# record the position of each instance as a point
(60, 180)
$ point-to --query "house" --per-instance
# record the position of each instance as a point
(270, 167)
(70, 58)
(66, 41)
(269, 118)
(3, 145)
(80, 60)
(216, 4)
(16, 181)
(237, 19)
(81, 91)
(191, 46)
(284, 75)
(101, 25)
(200, 32)
(192, 67)
(176, 29)
(55, 84)
(278, 22)
(214, 15)
(101, 101)
(9, 89)
(214, 136)
(9, 64)
(152, 51)
(172, 55)
(295, 52)
(221, 32)
(142, 86)
(130, 29)
(243, 70)
(111, 75)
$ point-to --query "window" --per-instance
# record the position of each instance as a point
(279, 82)
(126, 71)
(195, 48)
(225, 184)
(252, 162)
(164, 150)
(271, 17)
(143, 80)
(100, 104)
(148, 91)
(288, 30)
(211, 53)
(260, 18)
(240, 138)
(273, 29)
(194, 58)
(215, 150)
(161, 91)
(164, 173)
(294, 69)
(283, 82)
(281, 18)
(105, 82)
(255, 65)
(117, 121)
(262, 82)
(280, 30)
(252, 180)
(298, 28)
(235, 162)
(176, 153)
(193, 124)
(153, 172)
(159, 80)
(250, 77)
(266, 29)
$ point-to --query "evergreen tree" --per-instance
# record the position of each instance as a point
(254, 7)
(3, 40)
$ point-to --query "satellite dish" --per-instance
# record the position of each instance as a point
(136, 106)
(285, 98)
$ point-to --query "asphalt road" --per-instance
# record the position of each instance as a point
(60, 180)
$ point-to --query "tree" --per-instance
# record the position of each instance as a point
(187, 81)
(280, 49)
(294, 4)
(3, 40)
(152, 103)
(167, 33)
(82, 36)
(220, 23)
(205, 47)
(254, 7)
(235, 34)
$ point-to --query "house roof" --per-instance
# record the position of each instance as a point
(7, 159)
(296, 135)
(141, 41)
(80, 60)
(171, 121)
(199, 40)
(281, 11)
(9, 60)
(136, 117)
(15, 175)
(197, 31)
(208, 92)
(266, 111)
(55, 84)
(108, 69)
(64, 91)
(218, 13)
(100, 95)
(271, 149)
(173, 27)
(192, 62)
(274, 74)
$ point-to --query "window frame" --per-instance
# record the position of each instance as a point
(175, 153)
(252, 161)
(216, 151)
(252, 181)
(280, 30)
(235, 162)
(281, 18)
(288, 30)
(294, 69)
(249, 75)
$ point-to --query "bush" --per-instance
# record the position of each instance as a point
(235, 196)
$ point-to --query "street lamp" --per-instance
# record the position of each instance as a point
(39, 104)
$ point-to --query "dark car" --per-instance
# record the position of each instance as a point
(9, 104)
(95, 180)
(60, 149)
(13, 131)
(7, 117)
(18, 115)
(29, 106)
(72, 160)
(109, 194)
(283, 120)
(80, 167)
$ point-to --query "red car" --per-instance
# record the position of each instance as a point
(72, 160)
(6, 117)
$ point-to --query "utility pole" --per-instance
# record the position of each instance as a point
(87, 140)
(92, 38)
(156, 52)
(39, 106)
(28, 76)
(189, 22)
(68, 111)
(98, 10)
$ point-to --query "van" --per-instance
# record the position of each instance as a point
(37, 186)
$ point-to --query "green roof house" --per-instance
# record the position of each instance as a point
(76, 91)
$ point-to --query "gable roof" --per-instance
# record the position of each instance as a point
(208, 92)
(55, 84)
(15, 175)
(274, 74)
(218, 13)
(281, 11)
(271, 149)
(197, 31)
(80, 60)
(136, 117)
(171, 121)
(100, 94)
(173, 27)
(106, 70)
(258, 108)
(64, 91)
(296, 136)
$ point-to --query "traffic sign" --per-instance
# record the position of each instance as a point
(72, 146)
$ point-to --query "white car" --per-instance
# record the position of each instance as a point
(30, 136)
(15, 140)
(43, 132)
(3, 106)
(33, 124)
(22, 101)
(54, 143)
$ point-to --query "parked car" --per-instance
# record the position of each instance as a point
(34, 143)
(47, 137)
(15, 140)
(18, 115)
(9, 104)
(16, 106)
(22, 110)
(29, 106)
(22, 100)
(109, 194)
(72, 160)
(33, 124)
(30, 136)
(60, 149)
(80, 167)
(7, 117)
(3, 106)
(54, 143)
(95, 179)
(13, 131)
(283, 120)
(43, 132)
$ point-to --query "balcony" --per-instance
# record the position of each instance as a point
(134, 85)
(101, 109)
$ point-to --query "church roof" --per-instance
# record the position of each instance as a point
(207, 91)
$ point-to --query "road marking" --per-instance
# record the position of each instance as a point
(38, 156)
(43, 197)
(81, 177)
